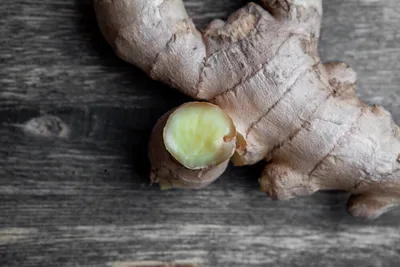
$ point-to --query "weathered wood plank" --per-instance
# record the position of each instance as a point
(85, 200)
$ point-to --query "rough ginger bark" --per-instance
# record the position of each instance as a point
(262, 67)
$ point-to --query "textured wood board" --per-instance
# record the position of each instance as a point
(85, 200)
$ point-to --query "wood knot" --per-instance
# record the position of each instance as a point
(46, 126)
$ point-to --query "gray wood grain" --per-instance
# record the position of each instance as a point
(74, 124)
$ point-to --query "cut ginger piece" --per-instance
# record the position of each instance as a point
(199, 135)
(190, 146)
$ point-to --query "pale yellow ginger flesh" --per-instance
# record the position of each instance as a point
(199, 135)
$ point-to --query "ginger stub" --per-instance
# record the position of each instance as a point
(191, 146)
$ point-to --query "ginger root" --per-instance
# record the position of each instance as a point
(261, 66)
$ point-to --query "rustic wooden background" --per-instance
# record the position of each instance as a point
(74, 123)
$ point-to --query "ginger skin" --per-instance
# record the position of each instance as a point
(262, 68)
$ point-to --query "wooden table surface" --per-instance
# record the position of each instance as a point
(74, 126)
